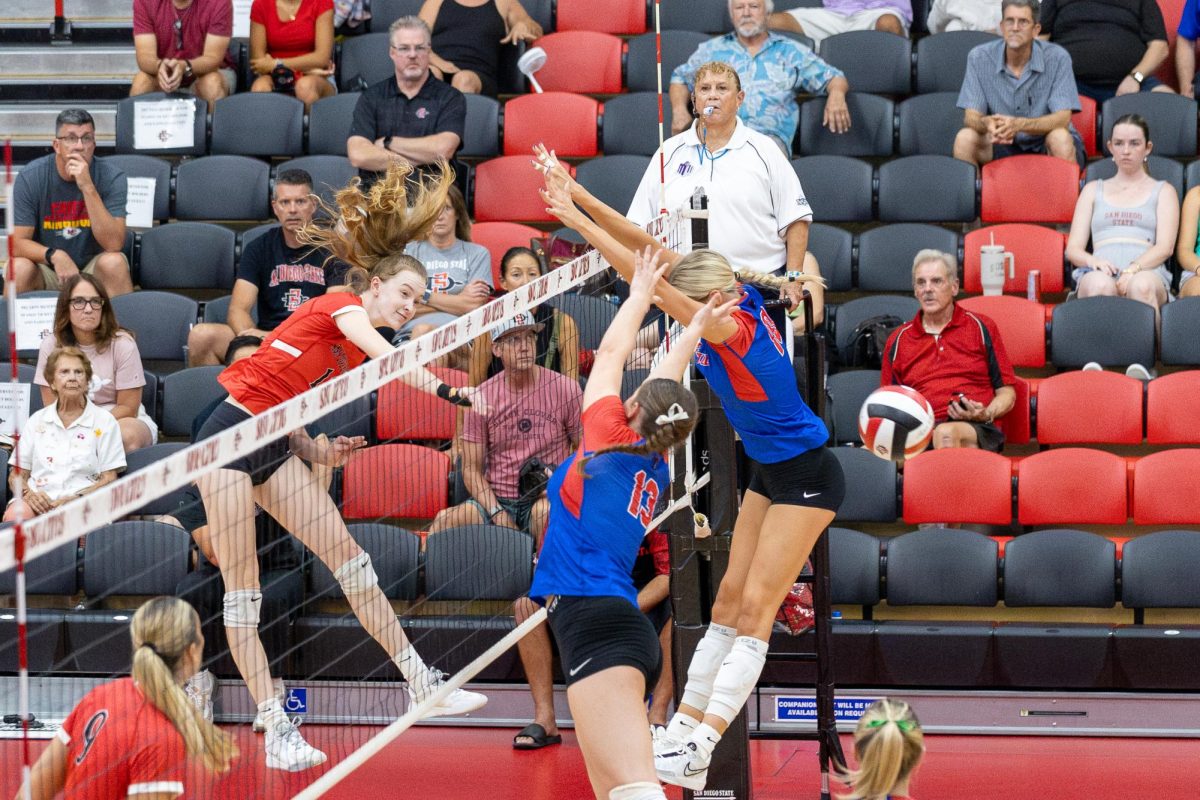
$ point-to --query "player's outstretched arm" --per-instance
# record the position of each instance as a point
(708, 317)
(49, 773)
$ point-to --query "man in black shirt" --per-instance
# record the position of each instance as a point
(1115, 45)
(275, 274)
(412, 116)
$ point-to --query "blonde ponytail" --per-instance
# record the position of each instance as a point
(162, 630)
(775, 281)
(669, 413)
(702, 272)
(889, 744)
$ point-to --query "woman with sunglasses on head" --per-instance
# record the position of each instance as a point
(84, 318)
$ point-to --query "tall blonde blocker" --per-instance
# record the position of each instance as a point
(373, 226)
(162, 630)
(657, 398)
(889, 745)
(704, 271)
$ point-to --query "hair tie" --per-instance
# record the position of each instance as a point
(151, 648)
(903, 724)
(674, 414)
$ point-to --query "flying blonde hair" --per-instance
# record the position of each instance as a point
(701, 272)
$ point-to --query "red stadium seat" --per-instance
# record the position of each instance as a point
(611, 16)
(1072, 486)
(1029, 188)
(395, 480)
(1022, 326)
(1157, 499)
(1032, 246)
(406, 414)
(959, 484)
(1089, 408)
(581, 61)
(1085, 123)
(506, 188)
(1016, 424)
(498, 237)
(564, 122)
(1170, 409)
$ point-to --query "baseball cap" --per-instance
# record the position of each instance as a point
(520, 321)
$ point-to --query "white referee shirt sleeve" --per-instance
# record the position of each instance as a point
(787, 196)
(645, 200)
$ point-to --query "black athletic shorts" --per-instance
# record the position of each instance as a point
(259, 465)
(812, 479)
(987, 435)
(597, 633)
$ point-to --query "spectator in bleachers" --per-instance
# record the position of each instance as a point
(468, 35)
(652, 579)
(963, 15)
(276, 274)
(84, 319)
(533, 413)
(954, 357)
(772, 68)
(1187, 251)
(1132, 221)
(69, 213)
(183, 45)
(759, 216)
(1115, 45)
(558, 341)
(291, 48)
(69, 448)
(1185, 48)
(459, 271)
(1018, 94)
(410, 117)
(839, 16)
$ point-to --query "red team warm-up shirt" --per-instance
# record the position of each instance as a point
(118, 744)
(307, 349)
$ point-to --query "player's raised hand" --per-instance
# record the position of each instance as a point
(557, 197)
(646, 274)
(546, 162)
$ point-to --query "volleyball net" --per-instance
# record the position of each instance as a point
(71, 578)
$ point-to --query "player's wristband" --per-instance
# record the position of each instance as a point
(793, 275)
(427, 293)
(451, 395)
(492, 514)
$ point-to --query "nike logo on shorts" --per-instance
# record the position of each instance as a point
(810, 495)
(571, 674)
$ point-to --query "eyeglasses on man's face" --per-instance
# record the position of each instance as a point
(86, 140)
(80, 303)
(411, 49)
(1021, 24)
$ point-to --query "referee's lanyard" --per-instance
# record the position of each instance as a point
(702, 150)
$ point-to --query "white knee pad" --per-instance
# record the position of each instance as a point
(642, 790)
(711, 651)
(242, 608)
(737, 676)
(356, 575)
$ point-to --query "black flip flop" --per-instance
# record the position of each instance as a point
(537, 738)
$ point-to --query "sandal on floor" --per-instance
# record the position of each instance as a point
(534, 737)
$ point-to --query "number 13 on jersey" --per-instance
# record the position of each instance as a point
(643, 498)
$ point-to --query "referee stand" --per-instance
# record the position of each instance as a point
(698, 565)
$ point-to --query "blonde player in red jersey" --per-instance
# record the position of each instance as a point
(133, 736)
(323, 338)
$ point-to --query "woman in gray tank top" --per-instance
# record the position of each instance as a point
(1132, 221)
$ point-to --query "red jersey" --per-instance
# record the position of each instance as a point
(968, 356)
(119, 744)
(294, 37)
(307, 349)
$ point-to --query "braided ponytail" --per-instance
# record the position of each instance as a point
(702, 272)
(775, 281)
(668, 414)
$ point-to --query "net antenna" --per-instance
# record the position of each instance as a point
(662, 162)
(534, 59)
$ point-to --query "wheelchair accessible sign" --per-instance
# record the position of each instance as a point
(795, 708)
(296, 702)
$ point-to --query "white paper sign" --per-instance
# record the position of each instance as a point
(35, 320)
(14, 406)
(139, 203)
(164, 124)
(241, 19)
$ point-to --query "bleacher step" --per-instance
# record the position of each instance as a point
(78, 64)
(81, 13)
(32, 125)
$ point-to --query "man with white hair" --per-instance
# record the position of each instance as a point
(772, 68)
(954, 357)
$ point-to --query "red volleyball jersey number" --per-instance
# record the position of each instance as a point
(643, 498)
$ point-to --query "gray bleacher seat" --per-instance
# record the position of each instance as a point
(942, 59)
(927, 189)
(217, 310)
(364, 57)
(329, 174)
(135, 165)
(481, 138)
(1172, 120)
(853, 567)
(874, 498)
(870, 134)
(187, 255)
(159, 320)
(385, 12)
(258, 124)
(53, 573)
(146, 456)
(850, 314)
(125, 127)
(847, 391)
(592, 315)
(1181, 332)
(329, 124)
(394, 551)
(885, 254)
(706, 16)
(185, 394)
(641, 69)
(833, 247)
(874, 61)
(627, 124)
(838, 188)
(223, 187)
(478, 562)
(1112, 331)
(929, 123)
(612, 179)
(1159, 167)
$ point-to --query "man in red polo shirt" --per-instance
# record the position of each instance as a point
(955, 358)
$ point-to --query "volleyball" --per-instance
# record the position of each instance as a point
(895, 422)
